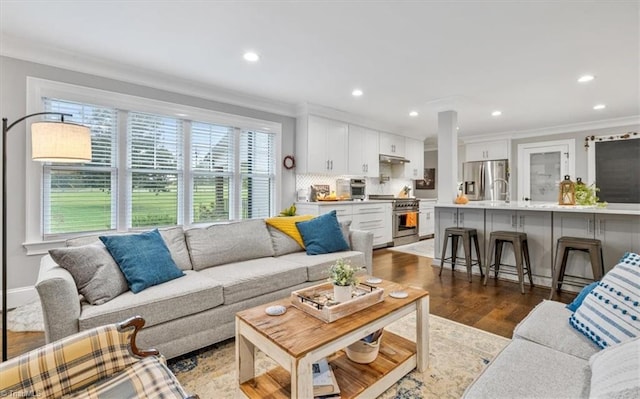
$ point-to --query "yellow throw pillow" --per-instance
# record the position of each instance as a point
(287, 225)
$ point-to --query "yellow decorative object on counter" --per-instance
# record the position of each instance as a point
(461, 199)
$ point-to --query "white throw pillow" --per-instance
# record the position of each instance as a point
(615, 371)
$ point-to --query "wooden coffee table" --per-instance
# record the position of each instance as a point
(295, 340)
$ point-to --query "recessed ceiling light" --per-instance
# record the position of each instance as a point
(413, 113)
(586, 78)
(457, 127)
(496, 113)
(251, 56)
(356, 93)
(599, 106)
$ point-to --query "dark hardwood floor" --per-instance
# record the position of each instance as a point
(496, 308)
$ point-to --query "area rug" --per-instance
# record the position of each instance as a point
(26, 318)
(457, 354)
(420, 248)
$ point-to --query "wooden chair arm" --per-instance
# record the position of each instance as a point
(137, 322)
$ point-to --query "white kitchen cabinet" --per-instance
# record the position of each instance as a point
(426, 225)
(487, 150)
(376, 218)
(392, 144)
(538, 226)
(414, 152)
(344, 212)
(321, 145)
(363, 151)
(457, 217)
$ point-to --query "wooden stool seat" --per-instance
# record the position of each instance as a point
(565, 246)
(520, 250)
(467, 234)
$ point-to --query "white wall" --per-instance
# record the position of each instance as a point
(23, 269)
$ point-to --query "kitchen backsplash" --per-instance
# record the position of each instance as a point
(393, 186)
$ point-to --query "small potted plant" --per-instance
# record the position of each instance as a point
(343, 277)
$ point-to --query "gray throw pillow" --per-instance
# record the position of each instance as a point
(345, 227)
(94, 271)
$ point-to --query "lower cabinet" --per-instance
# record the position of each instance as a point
(373, 217)
(426, 224)
(618, 234)
(538, 226)
(456, 217)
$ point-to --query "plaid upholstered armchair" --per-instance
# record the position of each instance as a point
(103, 362)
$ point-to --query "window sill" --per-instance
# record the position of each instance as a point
(42, 247)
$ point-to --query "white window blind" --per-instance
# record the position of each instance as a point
(155, 169)
(80, 197)
(212, 158)
(257, 172)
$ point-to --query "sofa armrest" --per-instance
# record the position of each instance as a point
(60, 300)
(363, 241)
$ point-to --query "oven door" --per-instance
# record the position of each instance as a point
(405, 223)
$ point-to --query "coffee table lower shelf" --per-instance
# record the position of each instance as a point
(397, 357)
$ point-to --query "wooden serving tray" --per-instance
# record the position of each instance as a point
(317, 301)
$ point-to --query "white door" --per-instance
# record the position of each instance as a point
(541, 166)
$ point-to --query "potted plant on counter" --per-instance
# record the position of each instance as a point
(343, 277)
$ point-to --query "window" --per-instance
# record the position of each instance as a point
(154, 145)
(151, 168)
(77, 197)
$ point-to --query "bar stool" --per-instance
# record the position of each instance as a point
(467, 234)
(520, 250)
(567, 244)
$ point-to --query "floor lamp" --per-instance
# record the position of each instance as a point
(50, 142)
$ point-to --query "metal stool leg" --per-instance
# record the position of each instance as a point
(555, 272)
(444, 253)
(454, 251)
(527, 259)
(466, 243)
(596, 263)
(517, 250)
(498, 258)
(477, 245)
(487, 262)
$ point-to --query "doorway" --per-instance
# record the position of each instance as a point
(541, 166)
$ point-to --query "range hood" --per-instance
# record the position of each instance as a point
(392, 159)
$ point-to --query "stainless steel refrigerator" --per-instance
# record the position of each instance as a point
(486, 180)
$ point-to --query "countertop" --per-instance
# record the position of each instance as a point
(619, 209)
(352, 202)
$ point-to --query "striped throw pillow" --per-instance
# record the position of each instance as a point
(610, 314)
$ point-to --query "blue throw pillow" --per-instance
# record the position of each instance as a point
(143, 258)
(322, 235)
(573, 306)
(610, 313)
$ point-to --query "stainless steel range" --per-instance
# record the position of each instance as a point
(405, 218)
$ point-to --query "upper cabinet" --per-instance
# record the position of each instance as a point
(321, 145)
(363, 151)
(391, 144)
(487, 150)
(414, 152)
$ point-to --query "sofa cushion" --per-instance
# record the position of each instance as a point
(143, 258)
(287, 225)
(615, 371)
(222, 244)
(148, 378)
(610, 314)
(173, 237)
(322, 234)
(547, 325)
(94, 271)
(282, 243)
(527, 370)
(318, 265)
(177, 298)
(254, 277)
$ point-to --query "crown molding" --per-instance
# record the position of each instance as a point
(547, 131)
(26, 50)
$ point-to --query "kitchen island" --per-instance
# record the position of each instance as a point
(616, 225)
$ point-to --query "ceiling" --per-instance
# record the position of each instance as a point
(475, 57)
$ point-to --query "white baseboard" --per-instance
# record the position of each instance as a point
(21, 296)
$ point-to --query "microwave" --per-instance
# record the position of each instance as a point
(358, 188)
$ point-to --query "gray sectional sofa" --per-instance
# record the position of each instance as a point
(228, 268)
(547, 358)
